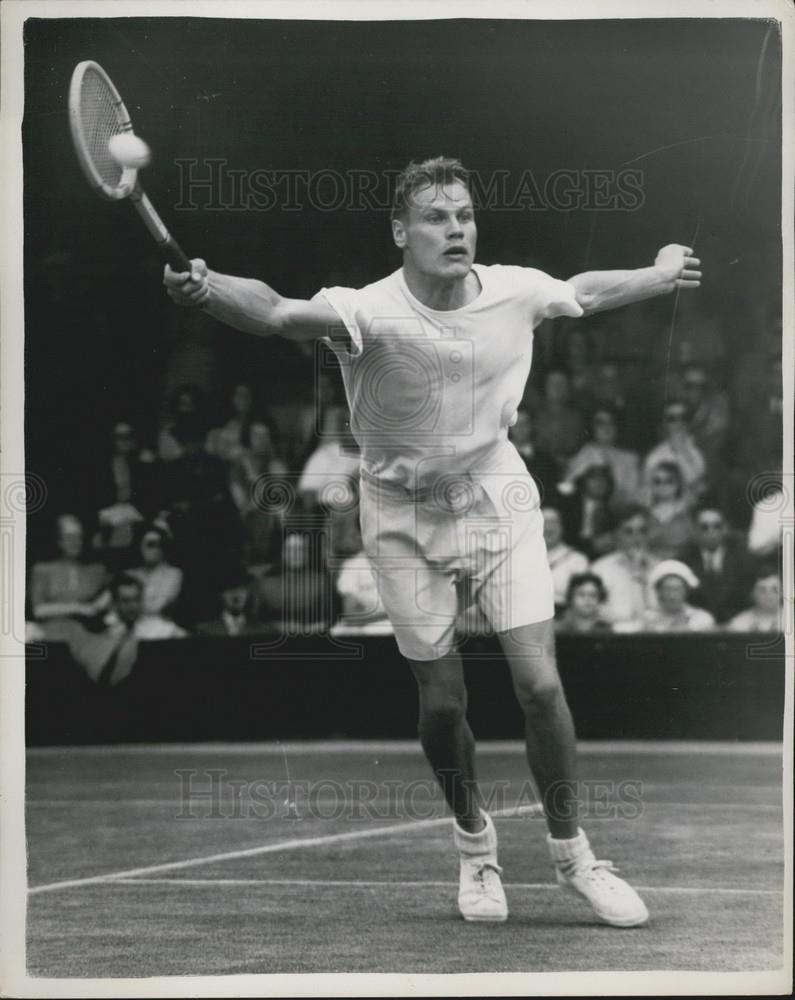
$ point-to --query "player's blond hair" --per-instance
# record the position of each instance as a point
(433, 172)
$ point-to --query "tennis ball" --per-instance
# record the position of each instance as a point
(129, 151)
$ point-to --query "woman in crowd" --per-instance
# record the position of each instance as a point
(70, 588)
(585, 597)
(671, 525)
(161, 582)
(185, 401)
(602, 449)
(227, 442)
(678, 445)
(564, 561)
(672, 583)
(766, 613)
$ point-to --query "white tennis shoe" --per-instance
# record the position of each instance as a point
(612, 899)
(481, 896)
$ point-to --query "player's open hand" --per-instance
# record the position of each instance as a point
(190, 288)
(679, 266)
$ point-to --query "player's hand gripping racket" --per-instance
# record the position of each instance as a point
(96, 114)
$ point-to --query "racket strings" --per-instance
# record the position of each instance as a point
(99, 120)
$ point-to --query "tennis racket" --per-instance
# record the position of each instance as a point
(96, 113)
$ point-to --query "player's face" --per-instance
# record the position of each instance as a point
(437, 232)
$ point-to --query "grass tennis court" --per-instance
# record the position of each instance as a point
(338, 858)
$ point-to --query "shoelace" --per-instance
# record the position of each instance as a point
(600, 871)
(484, 875)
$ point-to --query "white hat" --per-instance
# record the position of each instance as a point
(673, 567)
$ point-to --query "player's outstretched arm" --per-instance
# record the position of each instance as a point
(249, 305)
(674, 267)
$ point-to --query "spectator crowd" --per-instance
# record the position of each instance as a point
(240, 523)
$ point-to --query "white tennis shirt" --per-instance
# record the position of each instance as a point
(433, 392)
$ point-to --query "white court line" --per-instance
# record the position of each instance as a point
(294, 844)
(396, 747)
(368, 884)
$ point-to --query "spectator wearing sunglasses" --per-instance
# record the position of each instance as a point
(670, 522)
(677, 446)
(721, 563)
(625, 572)
(160, 581)
(709, 416)
(603, 449)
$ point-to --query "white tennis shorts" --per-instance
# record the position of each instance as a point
(469, 539)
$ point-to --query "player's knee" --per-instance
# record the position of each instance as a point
(441, 708)
(538, 695)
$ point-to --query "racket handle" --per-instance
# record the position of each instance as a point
(175, 256)
(168, 246)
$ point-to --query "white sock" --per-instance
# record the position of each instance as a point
(483, 842)
(565, 851)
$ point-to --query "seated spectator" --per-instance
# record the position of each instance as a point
(670, 522)
(585, 597)
(603, 450)
(228, 440)
(579, 355)
(256, 494)
(161, 582)
(678, 446)
(236, 603)
(558, 424)
(720, 562)
(539, 463)
(362, 609)
(201, 517)
(588, 513)
(766, 613)
(125, 491)
(333, 463)
(564, 561)
(259, 459)
(185, 401)
(625, 572)
(672, 582)
(296, 596)
(108, 657)
(68, 587)
(709, 417)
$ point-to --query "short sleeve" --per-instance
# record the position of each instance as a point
(343, 302)
(551, 297)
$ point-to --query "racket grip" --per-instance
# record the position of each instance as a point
(175, 256)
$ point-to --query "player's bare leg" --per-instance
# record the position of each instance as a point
(450, 748)
(446, 737)
(551, 753)
(549, 730)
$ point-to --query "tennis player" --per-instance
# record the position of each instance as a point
(435, 358)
